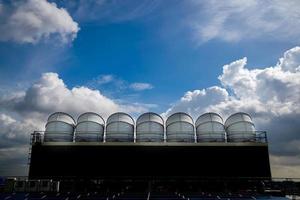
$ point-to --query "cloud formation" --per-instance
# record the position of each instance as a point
(274, 90)
(103, 79)
(30, 21)
(140, 86)
(51, 94)
(235, 20)
(271, 95)
(117, 84)
(23, 112)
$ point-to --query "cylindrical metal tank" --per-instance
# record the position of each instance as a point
(240, 128)
(89, 128)
(59, 128)
(120, 128)
(150, 128)
(210, 128)
(180, 128)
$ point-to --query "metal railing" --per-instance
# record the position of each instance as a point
(250, 136)
(232, 137)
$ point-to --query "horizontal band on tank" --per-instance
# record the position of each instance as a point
(60, 121)
(121, 122)
(149, 122)
(183, 122)
(89, 121)
(208, 122)
(240, 122)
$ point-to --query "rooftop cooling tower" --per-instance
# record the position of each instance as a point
(150, 128)
(90, 128)
(180, 128)
(59, 128)
(240, 128)
(120, 128)
(210, 128)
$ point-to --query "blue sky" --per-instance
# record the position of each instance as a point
(161, 56)
(142, 49)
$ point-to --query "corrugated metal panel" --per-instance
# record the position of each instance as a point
(150, 128)
(120, 127)
(210, 128)
(59, 128)
(90, 127)
(180, 128)
(240, 127)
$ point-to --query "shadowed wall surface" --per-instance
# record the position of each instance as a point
(161, 161)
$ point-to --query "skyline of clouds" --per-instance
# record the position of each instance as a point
(271, 95)
(229, 21)
(23, 112)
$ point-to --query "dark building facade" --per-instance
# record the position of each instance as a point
(149, 160)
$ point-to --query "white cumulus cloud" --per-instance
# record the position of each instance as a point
(271, 95)
(51, 94)
(23, 112)
(30, 21)
(274, 90)
(197, 101)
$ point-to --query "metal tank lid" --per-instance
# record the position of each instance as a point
(120, 117)
(58, 115)
(98, 120)
(146, 117)
(202, 118)
(227, 122)
(179, 117)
